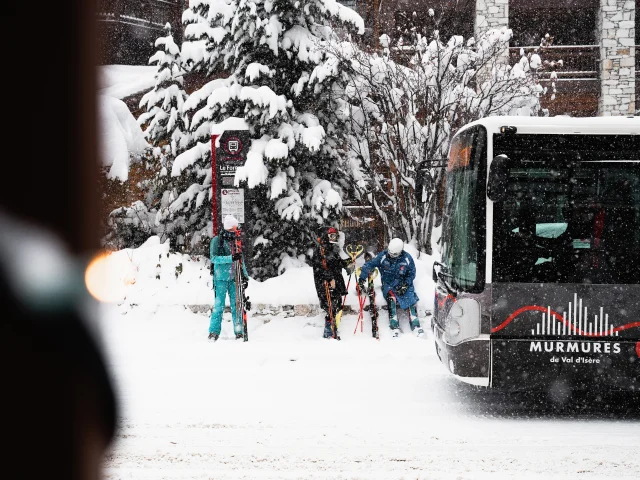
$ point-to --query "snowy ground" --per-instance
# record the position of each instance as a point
(290, 404)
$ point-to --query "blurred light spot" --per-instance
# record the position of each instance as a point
(107, 275)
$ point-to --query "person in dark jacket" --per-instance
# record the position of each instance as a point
(327, 275)
(397, 271)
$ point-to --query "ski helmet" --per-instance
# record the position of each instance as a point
(332, 235)
(230, 222)
(395, 247)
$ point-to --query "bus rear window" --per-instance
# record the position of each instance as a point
(569, 224)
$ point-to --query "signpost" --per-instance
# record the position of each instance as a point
(230, 144)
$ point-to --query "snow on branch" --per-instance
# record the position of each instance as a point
(184, 160)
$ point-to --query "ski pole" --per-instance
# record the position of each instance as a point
(353, 252)
(361, 301)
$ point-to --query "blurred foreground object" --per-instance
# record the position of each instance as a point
(59, 404)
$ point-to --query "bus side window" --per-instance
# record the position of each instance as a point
(460, 248)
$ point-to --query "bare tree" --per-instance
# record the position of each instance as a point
(404, 103)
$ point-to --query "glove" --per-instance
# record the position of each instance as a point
(402, 288)
(361, 285)
(236, 256)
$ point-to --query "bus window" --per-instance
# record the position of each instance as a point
(462, 225)
(562, 224)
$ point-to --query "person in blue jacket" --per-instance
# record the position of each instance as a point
(223, 277)
(397, 272)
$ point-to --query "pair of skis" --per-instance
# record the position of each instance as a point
(242, 301)
(373, 309)
(354, 252)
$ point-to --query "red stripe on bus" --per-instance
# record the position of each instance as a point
(560, 318)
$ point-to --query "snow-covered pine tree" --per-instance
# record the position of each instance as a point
(197, 37)
(281, 82)
(164, 104)
(166, 129)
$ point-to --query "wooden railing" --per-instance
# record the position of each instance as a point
(146, 13)
(578, 61)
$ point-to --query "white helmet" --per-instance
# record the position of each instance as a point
(395, 247)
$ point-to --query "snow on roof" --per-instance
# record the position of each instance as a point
(122, 81)
(231, 123)
(563, 124)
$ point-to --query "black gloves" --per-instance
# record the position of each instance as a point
(362, 285)
(402, 288)
(236, 256)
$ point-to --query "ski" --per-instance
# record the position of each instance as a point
(242, 301)
(371, 293)
(334, 327)
(373, 309)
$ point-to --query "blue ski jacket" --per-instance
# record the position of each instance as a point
(220, 255)
(393, 273)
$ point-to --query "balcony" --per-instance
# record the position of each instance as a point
(577, 77)
(148, 14)
(578, 61)
(128, 28)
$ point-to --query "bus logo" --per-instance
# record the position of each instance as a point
(233, 145)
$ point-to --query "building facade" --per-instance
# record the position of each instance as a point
(595, 39)
(128, 29)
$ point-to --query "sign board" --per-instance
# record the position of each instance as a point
(232, 203)
(229, 148)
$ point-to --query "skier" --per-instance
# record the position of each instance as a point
(397, 271)
(327, 271)
(223, 277)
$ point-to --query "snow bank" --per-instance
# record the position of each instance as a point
(119, 136)
(151, 275)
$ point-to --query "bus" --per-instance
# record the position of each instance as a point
(539, 276)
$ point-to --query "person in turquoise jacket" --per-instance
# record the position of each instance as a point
(397, 272)
(224, 277)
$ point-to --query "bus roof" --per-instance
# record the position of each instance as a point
(562, 125)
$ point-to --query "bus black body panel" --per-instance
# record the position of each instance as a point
(588, 335)
(538, 364)
(467, 359)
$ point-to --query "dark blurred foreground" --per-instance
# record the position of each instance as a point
(58, 402)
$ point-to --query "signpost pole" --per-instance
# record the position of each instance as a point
(214, 186)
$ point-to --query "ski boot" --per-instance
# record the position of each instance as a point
(328, 331)
(415, 322)
(394, 325)
(213, 336)
(239, 336)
